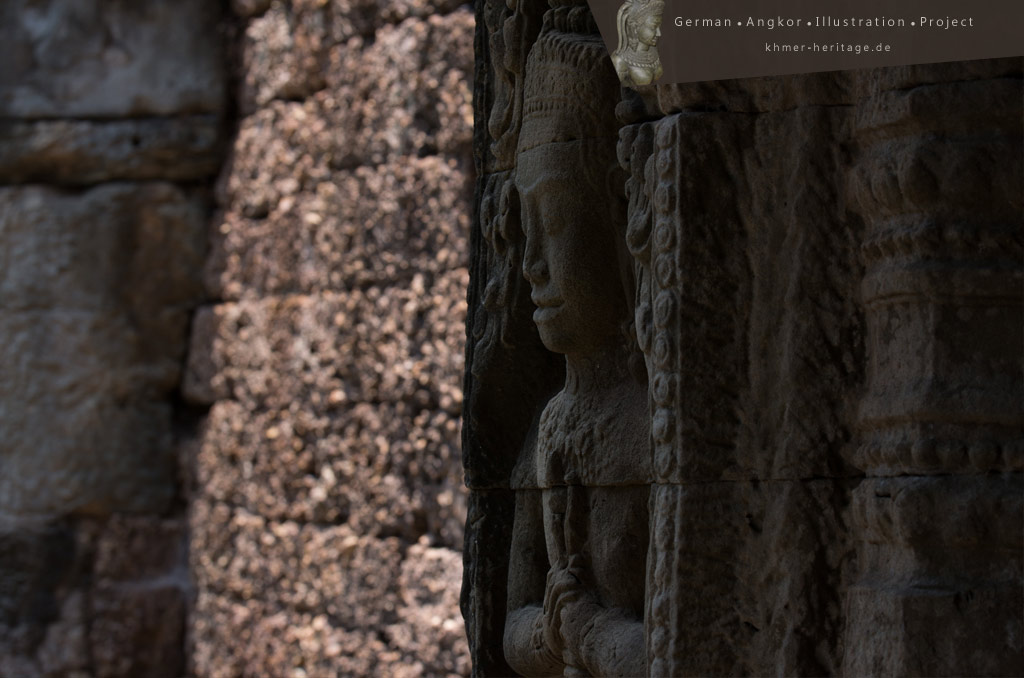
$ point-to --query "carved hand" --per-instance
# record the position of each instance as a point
(577, 617)
(559, 581)
(566, 599)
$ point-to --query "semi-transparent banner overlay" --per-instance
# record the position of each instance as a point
(700, 40)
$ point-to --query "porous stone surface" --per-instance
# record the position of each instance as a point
(328, 504)
(824, 274)
(310, 403)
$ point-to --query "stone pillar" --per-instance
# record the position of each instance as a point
(111, 119)
(752, 337)
(938, 180)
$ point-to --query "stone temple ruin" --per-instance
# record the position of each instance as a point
(732, 370)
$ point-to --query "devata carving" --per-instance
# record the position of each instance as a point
(638, 23)
(577, 568)
(802, 456)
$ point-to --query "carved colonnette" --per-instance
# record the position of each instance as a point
(663, 244)
(938, 179)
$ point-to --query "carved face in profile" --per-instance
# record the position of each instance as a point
(649, 29)
(570, 259)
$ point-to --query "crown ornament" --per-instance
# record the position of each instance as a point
(570, 93)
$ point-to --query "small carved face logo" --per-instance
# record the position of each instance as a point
(570, 259)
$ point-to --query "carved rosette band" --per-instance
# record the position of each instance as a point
(664, 349)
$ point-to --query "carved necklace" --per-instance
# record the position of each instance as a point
(633, 58)
(572, 438)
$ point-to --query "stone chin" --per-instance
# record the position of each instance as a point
(554, 337)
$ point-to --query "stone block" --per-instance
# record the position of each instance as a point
(294, 49)
(95, 292)
(486, 552)
(140, 548)
(275, 595)
(382, 470)
(293, 225)
(43, 618)
(65, 650)
(100, 59)
(873, 81)
(250, 638)
(330, 351)
(429, 631)
(925, 630)
(204, 381)
(418, 71)
(71, 441)
(86, 152)
(117, 247)
(401, 89)
(747, 576)
(752, 95)
(943, 532)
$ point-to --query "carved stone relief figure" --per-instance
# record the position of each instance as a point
(580, 533)
(638, 23)
(819, 470)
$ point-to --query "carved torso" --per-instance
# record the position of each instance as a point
(587, 472)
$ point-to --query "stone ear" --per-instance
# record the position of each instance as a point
(510, 212)
(615, 181)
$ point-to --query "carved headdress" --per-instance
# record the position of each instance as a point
(570, 90)
(632, 14)
(570, 95)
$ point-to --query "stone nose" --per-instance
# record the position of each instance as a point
(535, 266)
(535, 272)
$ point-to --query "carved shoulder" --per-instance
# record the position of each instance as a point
(524, 474)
